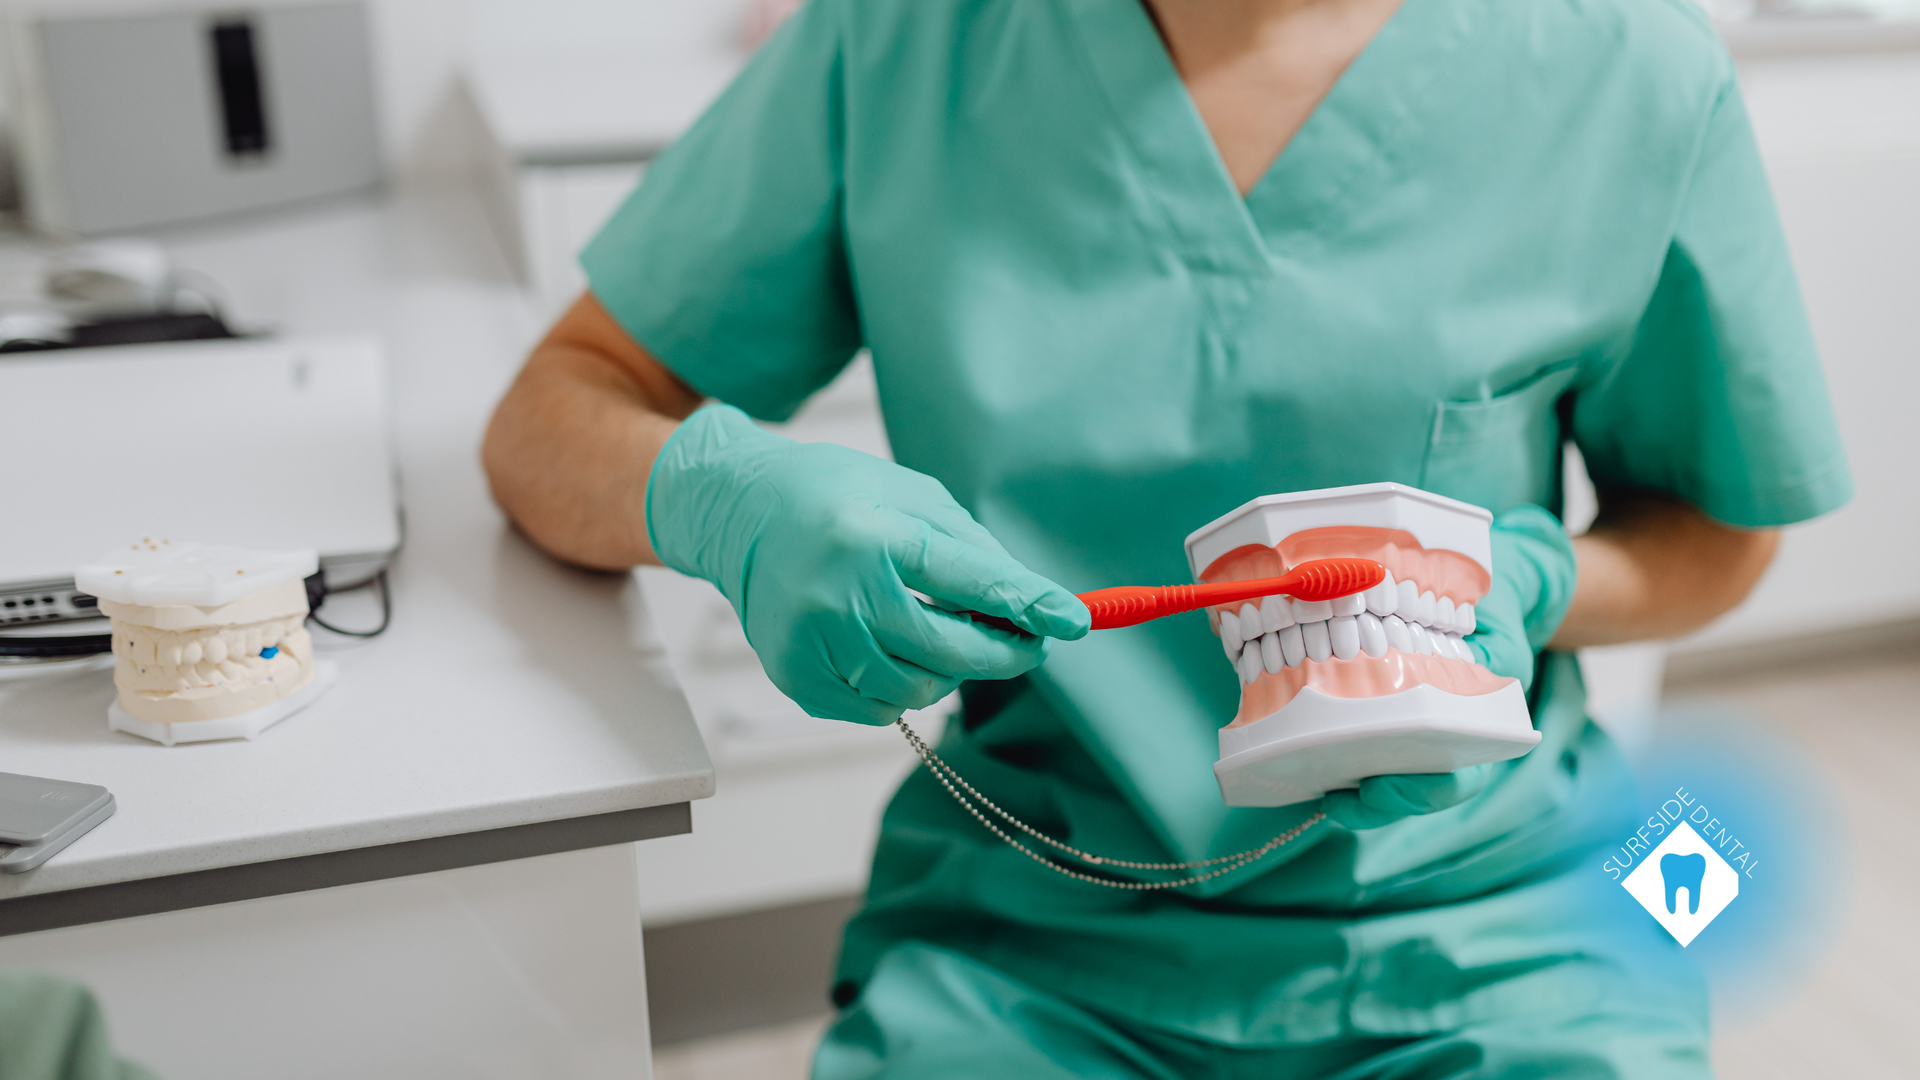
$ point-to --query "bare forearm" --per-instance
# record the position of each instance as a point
(571, 445)
(1654, 567)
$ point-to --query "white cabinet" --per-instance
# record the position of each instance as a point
(562, 139)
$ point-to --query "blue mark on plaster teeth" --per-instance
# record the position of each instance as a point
(1683, 871)
(269, 652)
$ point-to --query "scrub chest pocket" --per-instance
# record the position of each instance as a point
(1503, 451)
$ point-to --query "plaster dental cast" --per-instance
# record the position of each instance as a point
(1123, 267)
(209, 642)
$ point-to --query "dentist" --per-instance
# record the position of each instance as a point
(1122, 265)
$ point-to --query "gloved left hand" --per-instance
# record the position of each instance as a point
(1533, 579)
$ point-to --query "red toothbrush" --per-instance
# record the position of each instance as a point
(1130, 605)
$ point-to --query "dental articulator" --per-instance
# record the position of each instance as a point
(1372, 683)
(1343, 612)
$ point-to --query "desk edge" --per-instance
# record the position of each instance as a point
(226, 884)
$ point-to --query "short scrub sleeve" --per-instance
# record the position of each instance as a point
(728, 262)
(1719, 398)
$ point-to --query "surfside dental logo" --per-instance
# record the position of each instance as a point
(1686, 880)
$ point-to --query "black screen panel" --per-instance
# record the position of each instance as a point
(237, 72)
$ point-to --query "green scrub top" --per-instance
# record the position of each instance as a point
(1508, 225)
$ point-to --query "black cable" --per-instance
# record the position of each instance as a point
(378, 580)
(49, 645)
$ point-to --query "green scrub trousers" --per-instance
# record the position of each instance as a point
(53, 1029)
(1509, 226)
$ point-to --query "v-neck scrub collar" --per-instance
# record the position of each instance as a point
(1344, 149)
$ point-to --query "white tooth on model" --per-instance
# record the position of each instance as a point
(298, 641)
(1276, 613)
(191, 654)
(1293, 645)
(1443, 614)
(1230, 633)
(1270, 655)
(1442, 648)
(1406, 600)
(1249, 665)
(1344, 634)
(1398, 636)
(1463, 619)
(1423, 609)
(1373, 635)
(1466, 651)
(1422, 642)
(1383, 598)
(1351, 604)
(1249, 621)
(1319, 643)
(1306, 611)
(216, 648)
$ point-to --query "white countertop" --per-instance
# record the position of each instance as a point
(510, 689)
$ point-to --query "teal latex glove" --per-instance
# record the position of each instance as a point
(821, 548)
(1533, 578)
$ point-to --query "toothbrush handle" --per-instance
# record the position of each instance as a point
(1122, 605)
(1131, 605)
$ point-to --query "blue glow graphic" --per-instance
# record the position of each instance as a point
(1757, 799)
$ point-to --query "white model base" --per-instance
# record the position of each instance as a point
(243, 726)
(1320, 743)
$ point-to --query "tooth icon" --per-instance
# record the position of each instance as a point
(1685, 860)
(1683, 872)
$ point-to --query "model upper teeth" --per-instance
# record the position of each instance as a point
(1279, 632)
(154, 660)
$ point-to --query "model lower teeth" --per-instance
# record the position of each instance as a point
(1279, 632)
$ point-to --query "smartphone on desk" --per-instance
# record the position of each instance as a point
(40, 816)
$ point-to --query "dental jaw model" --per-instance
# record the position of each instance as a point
(1369, 684)
(208, 642)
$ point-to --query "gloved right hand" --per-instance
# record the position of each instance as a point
(817, 547)
(1534, 573)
